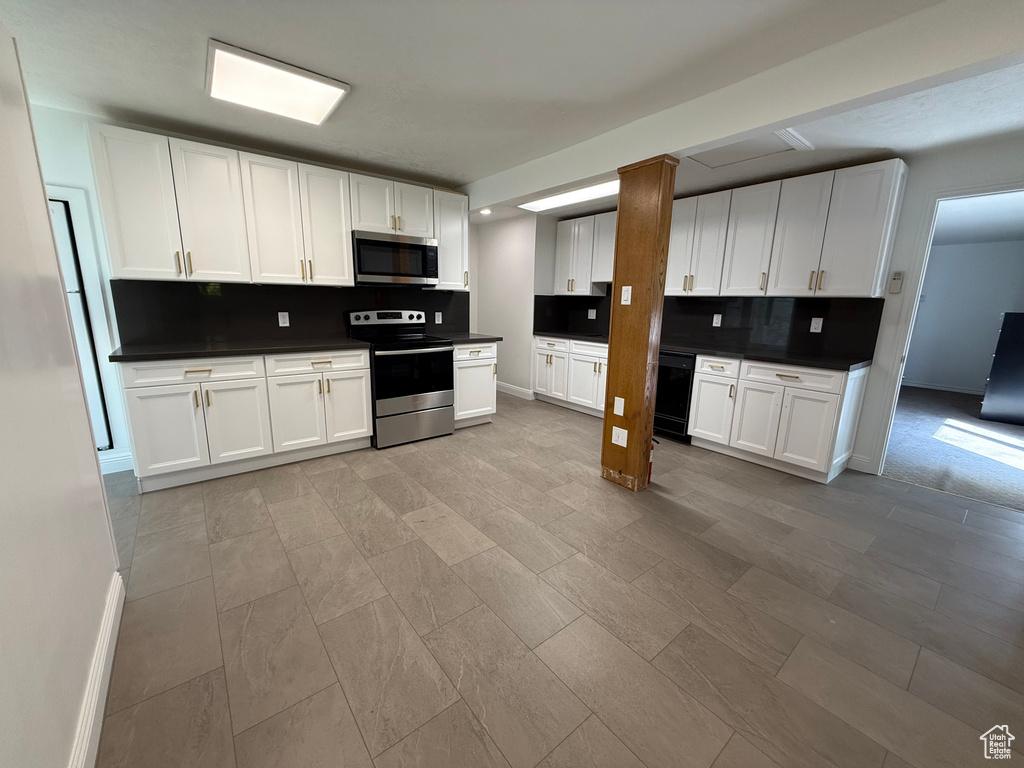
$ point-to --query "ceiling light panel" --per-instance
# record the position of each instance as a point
(251, 80)
(607, 189)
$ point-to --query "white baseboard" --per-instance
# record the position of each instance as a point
(863, 464)
(512, 389)
(571, 406)
(942, 388)
(115, 461)
(90, 719)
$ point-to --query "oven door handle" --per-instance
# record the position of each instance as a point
(385, 352)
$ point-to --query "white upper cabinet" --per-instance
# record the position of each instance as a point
(373, 203)
(270, 190)
(326, 227)
(414, 209)
(565, 235)
(208, 188)
(136, 192)
(680, 246)
(799, 234)
(237, 419)
(861, 226)
(451, 228)
(709, 243)
(574, 256)
(604, 248)
(748, 243)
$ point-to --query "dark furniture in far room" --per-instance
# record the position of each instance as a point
(1004, 395)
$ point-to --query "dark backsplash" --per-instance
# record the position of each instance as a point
(165, 312)
(568, 314)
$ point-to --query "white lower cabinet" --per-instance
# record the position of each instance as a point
(168, 428)
(475, 392)
(806, 428)
(347, 405)
(574, 371)
(586, 385)
(297, 411)
(755, 423)
(551, 373)
(711, 407)
(237, 419)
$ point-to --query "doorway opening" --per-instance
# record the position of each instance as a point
(959, 421)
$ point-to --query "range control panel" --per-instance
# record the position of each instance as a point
(387, 316)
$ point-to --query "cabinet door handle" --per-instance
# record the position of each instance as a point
(393, 222)
(567, 285)
(319, 362)
(595, 366)
(716, 367)
(821, 279)
(195, 396)
(760, 284)
(810, 283)
(310, 269)
(177, 261)
(600, 365)
(399, 222)
(465, 279)
(732, 388)
(787, 376)
(495, 369)
(320, 386)
(328, 386)
(549, 359)
(302, 264)
(199, 370)
(188, 263)
(208, 401)
(551, 343)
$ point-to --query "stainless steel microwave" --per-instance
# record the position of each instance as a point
(394, 259)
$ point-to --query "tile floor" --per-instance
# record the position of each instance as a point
(485, 599)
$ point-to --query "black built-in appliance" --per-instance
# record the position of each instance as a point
(412, 376)
(394, 259)
(675, 383)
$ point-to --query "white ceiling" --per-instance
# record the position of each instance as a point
(448, 91)
(980, 219)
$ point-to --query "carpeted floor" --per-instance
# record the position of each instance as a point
(939, 441)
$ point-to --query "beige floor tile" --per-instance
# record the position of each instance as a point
(759, 637)
(340, 487)
(390, 679)
(641, 622)
(249, 566)
(401, 492)
(591, 745)
(231, 514)
(526, 541)
(529, 502)
(164, 640)
(373, 525)
(610, 508)
(808, 522)
(1008, 523)
(453, 739)
(168, 559)
(654, 718)
(785, 563)
(124, 506)
(937, 504)
(229, 484)
(740, 753)
(892, 761)
(334, 577)
(777, 720)
(466, 464)
(318, 732)
(878, 649)
(1009, 567)
(428, 591)
(685, 481)
(608, 548)
(529, 472)
(982, 614)
(304, 520)
(421, 466)
(171, 508)
(964, 535)
(531, 607)
(450, 535)
(323, 464)
(469, 499)
(902, 723)
(521, 704)
(124, 536)
(273, 657)
(717, 510)
(185, 727)
(710, 563)
(370, 463)
(281, 483)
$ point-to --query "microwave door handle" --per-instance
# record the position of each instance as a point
(386, 352)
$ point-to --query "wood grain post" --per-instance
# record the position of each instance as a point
(641, 257)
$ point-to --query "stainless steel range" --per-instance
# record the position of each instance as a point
(412, 375)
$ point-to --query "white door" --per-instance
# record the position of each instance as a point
(711, 408)
(373, 204)
(273, 219)
(541, 372)
(297, 411)
(559, 375)
(451, 228)
(582, 386)
(208, 187)
(799, 233)
(237, 419)
(755, 423)
(167, 427)
(709, 243)
(680, 246)
(475, 390)
(414, 207)
(136, 194)
(748, 242)
(347, 403)
(604, 248)
(583, 256)
(806, 428)
(861, 223)
(565, 238)
(326, 226)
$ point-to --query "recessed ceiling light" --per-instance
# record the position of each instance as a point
(607, 189)
(251, 80)
(485, 211)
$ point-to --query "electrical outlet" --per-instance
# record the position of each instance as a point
(627, 294)
(619, 436)
(816, 324)
(591, 314)
(716, 321)
(282, 319)
(437, 318)
(619, 407)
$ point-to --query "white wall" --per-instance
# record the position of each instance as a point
(59, 590)
(504, 296)
(966, 290)
(953, 172)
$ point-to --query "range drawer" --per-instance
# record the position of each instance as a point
(552, 345)
(313, 362)
(814, 379)
(162, 372)
(473, 351)
(590, 348)
(718, 366)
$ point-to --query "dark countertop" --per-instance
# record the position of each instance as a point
(831, 363)
(462, 338)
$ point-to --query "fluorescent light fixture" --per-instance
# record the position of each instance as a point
(251, 80)
(485, 211)
(607, 189)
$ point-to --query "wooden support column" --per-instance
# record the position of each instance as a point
(641, 258)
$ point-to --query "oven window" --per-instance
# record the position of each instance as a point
(415, 373)
(390, 259)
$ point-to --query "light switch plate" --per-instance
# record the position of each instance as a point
(619, 436)
(627, 294)
(816, 324)
(591, 314)
(716, 321)
(282, 319)
(896, 282)
(619, 407)
(437, 318)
